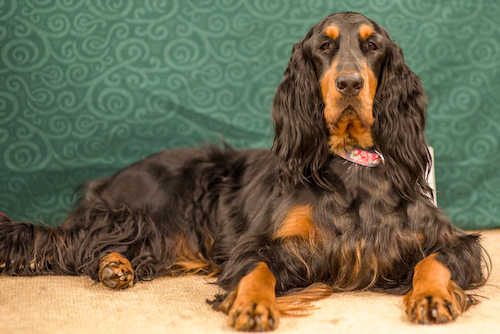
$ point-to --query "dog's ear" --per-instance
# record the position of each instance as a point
(399, 128)
(300, 140)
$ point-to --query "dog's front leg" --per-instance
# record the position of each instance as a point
(435, 297)
(254, 307)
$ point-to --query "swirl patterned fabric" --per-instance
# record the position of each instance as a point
(88, 87)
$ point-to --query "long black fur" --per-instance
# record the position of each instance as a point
(375, 224)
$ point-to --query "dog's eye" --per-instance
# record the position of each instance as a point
(325, 46)
(372, 46)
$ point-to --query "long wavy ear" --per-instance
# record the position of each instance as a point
(300, 141)
(400, 116)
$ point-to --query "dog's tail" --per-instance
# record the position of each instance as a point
(76, 248)
(28, 250)
(295, 302)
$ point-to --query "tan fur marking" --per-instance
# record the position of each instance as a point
(297, 231)
(435, 298)
(329, 93)
(255, 307)
(296, 303)
(297, 223)
(370, 89)
(365, 31)
(332, 31)
(190, 262)
(347, 132)
(430, 268)
(115, 271)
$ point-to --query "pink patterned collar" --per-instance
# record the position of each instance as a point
(364, 158)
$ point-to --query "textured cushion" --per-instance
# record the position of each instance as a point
(177, 305)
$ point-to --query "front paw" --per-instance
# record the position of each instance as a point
(432, 308)
(258, 316)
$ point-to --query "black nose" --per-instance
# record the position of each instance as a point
(349, 84)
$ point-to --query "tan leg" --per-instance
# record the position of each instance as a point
(435, 298)
(116, 272)
(255, 307)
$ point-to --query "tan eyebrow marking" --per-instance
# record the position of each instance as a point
(365, 31)
(332, 31)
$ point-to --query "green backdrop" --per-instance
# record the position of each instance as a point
(88, 87)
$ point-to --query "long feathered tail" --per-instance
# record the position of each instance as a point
(77, 247)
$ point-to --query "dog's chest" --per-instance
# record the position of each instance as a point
(366, 200)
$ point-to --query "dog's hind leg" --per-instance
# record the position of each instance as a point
(116, 272)
(89, 244)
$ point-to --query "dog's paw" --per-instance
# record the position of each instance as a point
(432, 308)
(116, 272)
(257, 316)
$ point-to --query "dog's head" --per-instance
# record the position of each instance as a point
(347, 52)
(347, 86)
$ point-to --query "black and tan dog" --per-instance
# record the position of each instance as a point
(339, 203)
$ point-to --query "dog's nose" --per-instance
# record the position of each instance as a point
(349, 84)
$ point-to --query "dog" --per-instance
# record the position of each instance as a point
(339, 203)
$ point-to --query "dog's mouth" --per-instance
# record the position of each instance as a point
(349, 131)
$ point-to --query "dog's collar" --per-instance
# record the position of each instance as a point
(364, 158)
